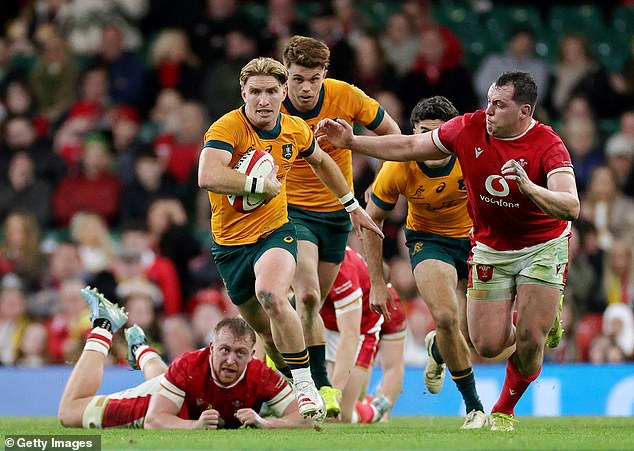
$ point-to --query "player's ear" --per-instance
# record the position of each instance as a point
(526, 110)
(243, 94)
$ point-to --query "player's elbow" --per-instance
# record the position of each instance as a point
(67, 419)
(151, 422)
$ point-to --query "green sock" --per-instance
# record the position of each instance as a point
(465, 381)
(318, 365)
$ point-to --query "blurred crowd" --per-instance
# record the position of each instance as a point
(103, 107)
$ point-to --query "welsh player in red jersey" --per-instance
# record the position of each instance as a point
(220, 386)
(353, 334)
(522, 195)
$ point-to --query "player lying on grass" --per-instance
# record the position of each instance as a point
(220, 386)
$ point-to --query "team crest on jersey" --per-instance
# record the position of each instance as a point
(237, 404)
(485, 272)
(287, 151)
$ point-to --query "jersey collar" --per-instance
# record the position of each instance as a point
(215, 378)
(265, 134)
(442, 171)
(306, 114)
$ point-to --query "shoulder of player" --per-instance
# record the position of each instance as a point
(338, 88)
(293, 123)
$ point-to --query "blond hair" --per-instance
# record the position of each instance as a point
(306, 52)
(263, 66)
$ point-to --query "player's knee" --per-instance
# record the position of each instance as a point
(486, 347)
(529, 342)
(446, 319)
(272, 304)
(310, 299)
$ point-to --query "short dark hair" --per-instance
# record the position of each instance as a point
(433, 108)
(524, 86)
(237, 326)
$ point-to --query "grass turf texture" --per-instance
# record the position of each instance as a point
(433, 433)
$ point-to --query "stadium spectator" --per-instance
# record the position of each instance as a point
(578, 72)
(582, 140)
(611, 212)
(618, 275)
(433, 74)
(83, 20)
(208, 34)
(178, 148)
(619, 153)
(13, 318)
(172, 66)
(94, 242)
(220, 93)
(167, 400)
(399, 43)
(172, 237)
(143, 303)
(32, 352)
(20, 248)
(68, 327)
(520, 55)
(125, 126)
(551, 199)
(20, 134)
(178, 337)
(125, 70)
(372, 72)
(25, 190)
(95, 188)
(618, 326)
(54, 76)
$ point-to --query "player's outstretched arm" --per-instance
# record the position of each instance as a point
(289, 419)
(417, 147)
(380, 294)
(329, 173)
(559, 200)
(215, 175)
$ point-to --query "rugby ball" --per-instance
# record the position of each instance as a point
(258, 164)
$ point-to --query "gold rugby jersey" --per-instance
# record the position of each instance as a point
(234, 133)
(337, 99)
(436, 197)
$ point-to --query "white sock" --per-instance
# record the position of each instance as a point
(301, 375)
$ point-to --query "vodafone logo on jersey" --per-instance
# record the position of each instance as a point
(497, 186)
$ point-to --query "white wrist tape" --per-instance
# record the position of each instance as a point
(254, 185)
(349, 202)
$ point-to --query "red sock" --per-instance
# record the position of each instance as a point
(515, 384)
(365, 412)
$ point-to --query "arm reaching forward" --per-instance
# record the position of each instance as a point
(389, 147)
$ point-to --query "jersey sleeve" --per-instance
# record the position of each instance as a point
(306, 142)
(346, 293)
(368, 112)
(275, 391)
(446, 136)
(222, 134)
(557, 159)
(389, 183)
(174, 383)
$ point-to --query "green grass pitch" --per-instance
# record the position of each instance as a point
(430, 433)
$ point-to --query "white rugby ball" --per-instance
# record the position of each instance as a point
(258, 164)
